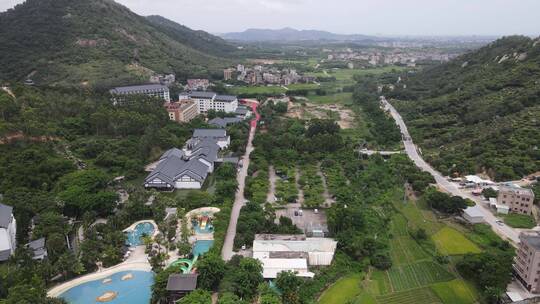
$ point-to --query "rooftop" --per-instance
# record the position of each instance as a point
(139, 88)
(532, 240)
(516, 190)
(292, 243)
(227, 98)
(209, 133)
(202, 94)
(182, 282)
(474, 211)
(5, 215)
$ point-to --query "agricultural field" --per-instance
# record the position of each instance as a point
(455, 292)
(417, 275)
(415, 296)
(312, 185)
(452, 242)
(286, 191)
(345, 289)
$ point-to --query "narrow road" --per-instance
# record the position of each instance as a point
(501, 229)
(328, 200)
(272, 178)
(239, 200)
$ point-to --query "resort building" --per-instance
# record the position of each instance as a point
(179, 285)
(292, 253)
(189, 167)
(38, 249)
(519, 200)
(527, 261)
(153, 90)
(224, 122)
(183, 111)
(8, 231)
(242, 112)
(211, 101)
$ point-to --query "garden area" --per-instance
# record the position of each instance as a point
(312, 185)
(515, 220)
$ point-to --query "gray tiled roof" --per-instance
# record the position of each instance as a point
(199, 133)
(226, 98)
(182, 282)
(202, 94)
(532, 240)
(195, 169)
(139, 88)
(5, 215)
(38, 248)
(223, 122)
(174, 151)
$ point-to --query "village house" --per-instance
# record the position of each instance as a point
(179, 285)
(8, 232)
(519, 200)
(37, 249)
(527, 261)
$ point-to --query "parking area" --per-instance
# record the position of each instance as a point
(311, 221)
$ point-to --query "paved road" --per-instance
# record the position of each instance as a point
(239, 200)
(501, 229)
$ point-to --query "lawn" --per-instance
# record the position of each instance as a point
(454, 292)
(452, 242)
(345, 289)
(263, 90)
(417, 275)
(519, 221)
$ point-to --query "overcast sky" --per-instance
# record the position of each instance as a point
(386, 17)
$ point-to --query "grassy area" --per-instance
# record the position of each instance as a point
(344, 290)
(451, 242)
(336, 98)
(455, 292)
(312, 185)
(417, 275)
(415, 296)
(263, 90)
(303, 86)
(519, 221)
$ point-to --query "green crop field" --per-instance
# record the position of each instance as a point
(415, 296)
(263, 90)
(345, 289)
(380, 283)
(519, 221)
(454, 292)
(405, 250)
(452, 242)
(417, 275)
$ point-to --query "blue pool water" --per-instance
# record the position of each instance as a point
(134, 291)
(134, 237)
(202, 247)
(208, 229)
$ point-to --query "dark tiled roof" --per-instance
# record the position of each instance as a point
(202, 94)
(226, 98)
(182, 282)
(5, 215)
(199, 133)
(139, 88)
(223, 122)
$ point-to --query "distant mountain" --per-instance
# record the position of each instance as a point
(479, 112)
(290, 34)
(99, 43)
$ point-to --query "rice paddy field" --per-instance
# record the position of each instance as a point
(452, 242)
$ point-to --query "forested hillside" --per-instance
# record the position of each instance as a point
(99, 43)
(479, 112)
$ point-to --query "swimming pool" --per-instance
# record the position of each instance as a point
(134, 236)
(201, 247)
(134, 291)
(208, 229)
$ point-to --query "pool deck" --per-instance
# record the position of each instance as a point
(137, 261)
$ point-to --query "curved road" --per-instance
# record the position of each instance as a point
(500, 228)
(239, 200)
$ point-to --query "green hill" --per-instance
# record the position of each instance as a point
(99, 43)
(479, 112)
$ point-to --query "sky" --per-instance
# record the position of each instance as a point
(372, 17)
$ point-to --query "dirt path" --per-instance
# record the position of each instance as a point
(272, 178)
(8, 90)
(328, 200)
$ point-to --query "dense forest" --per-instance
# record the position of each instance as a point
(479, 112)
(100, 43)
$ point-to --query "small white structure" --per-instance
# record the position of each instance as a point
(478, 180)
(501, 209)
(473, 215)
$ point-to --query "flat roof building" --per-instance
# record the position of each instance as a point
(183, 111)
(527, 261)
(153, 90)
(519, 200)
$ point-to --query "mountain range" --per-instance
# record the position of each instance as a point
(479, 112)
(290, 34)
(99, 43)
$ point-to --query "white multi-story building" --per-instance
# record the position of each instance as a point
(8, 232)
(211, 101)
(153, 90)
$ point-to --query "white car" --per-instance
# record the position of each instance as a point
(499, 222)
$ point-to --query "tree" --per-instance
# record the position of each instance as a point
(246, 277)
(230, 298)
(211, 269)
(289, 284)
(490, 192)
(198, 296)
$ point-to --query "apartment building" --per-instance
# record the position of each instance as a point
(153, 90)
(227, 74)
(527, 261)
(519, 200)
(183, 111)
(211, 101)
